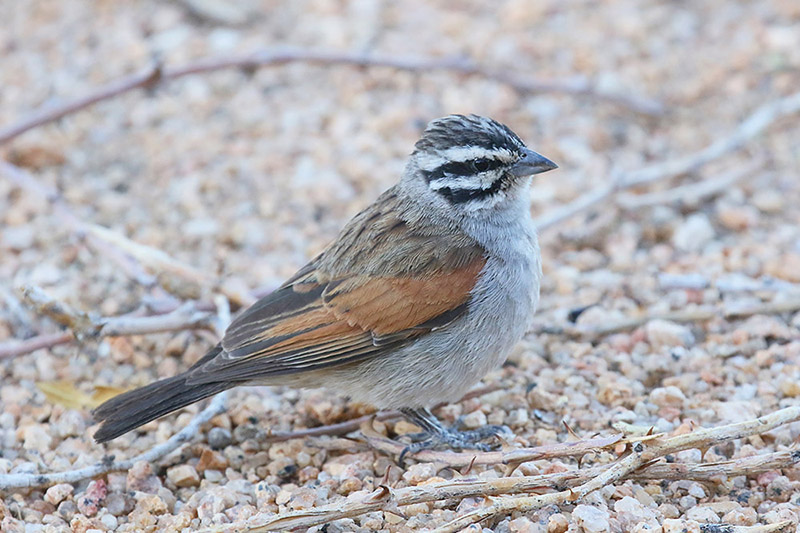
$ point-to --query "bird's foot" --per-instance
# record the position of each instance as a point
(435, 435)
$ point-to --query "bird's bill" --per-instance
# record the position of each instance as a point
(531, 163)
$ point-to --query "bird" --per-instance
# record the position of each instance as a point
(419, 296)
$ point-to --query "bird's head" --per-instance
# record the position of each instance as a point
(473, 162)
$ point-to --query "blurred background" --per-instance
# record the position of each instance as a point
(252, 171)
(242, 134)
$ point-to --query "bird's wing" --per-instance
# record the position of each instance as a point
(333, 313)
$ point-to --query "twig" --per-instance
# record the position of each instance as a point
(12, 349)
(729, 283)
(175, 276)
(598, 330)
(692, 281)
(700, 314)
(788, 305)
(343, 428)
(744, 466)
(758, 121)
(12, 481)
(753, 125)
(758, 528)
(511, 456)
(157, 74)
(158, 309)
(583, 203)
(742, 283)
(81, 324)
(184, 317)
(692, 192)
(640, 454)
(147, 78)
(458, 489)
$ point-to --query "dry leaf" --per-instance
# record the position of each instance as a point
(103, 393)
(66, 394)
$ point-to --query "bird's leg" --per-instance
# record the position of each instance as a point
(434, 434)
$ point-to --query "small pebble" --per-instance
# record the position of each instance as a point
(738, 218)
(219, 438)
(769, 200)
(115, 504)
(631, 512)
(672, 525)
(419, 472)
(211, 460)
(474, 420)
(36, 437)
(109, 520)
(693, 233)
(670, 396)
(183, 476)
(150, 503)
(57, 493)
(702, 514)
(666, 333)
(90, 501)
(591, 519)
(557, 523)
(687, 502)
(523, 525)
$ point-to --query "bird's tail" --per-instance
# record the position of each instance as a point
(132, 409)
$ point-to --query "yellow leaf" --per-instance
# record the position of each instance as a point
(103, 393)
(66, 394)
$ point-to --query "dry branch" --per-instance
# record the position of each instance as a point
(753, 125)
(343, 428)
(176, 277)
(511, 456)
(699, 314)
(12, 481)
(692, 192)
(639, 455)
(729, 310)
(157, 74)
(758, 528)
(12, 349)
(458, 489)
(736, 282)
(83, 325)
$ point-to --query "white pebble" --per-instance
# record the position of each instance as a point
(702, 514)
(694, 233)
(475, 419)
(109, 520)
(57, 493)
(670, 396)
(591, 519)
(666, 333)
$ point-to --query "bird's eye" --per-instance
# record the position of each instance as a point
(480, 165)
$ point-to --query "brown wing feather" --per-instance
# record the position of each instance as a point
(389, 305)
(336, 309)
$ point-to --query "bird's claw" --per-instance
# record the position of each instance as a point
(454, 439)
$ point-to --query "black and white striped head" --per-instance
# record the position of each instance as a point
(474, 161)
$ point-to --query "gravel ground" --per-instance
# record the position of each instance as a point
(246, 175)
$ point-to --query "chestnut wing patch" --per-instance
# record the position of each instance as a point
(314, 324)
(387, 306)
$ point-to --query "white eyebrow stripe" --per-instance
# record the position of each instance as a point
(464, 182)
(428, 162)
(469, 153)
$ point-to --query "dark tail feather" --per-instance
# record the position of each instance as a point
(130, 410)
